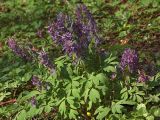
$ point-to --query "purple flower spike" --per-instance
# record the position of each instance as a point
(66, 37)
(113, 76)
(36, 81)
(44, 60)
(74, 36)
(57, 29)
(85, 17)
(85, 25)
(129, 60)
(33, 101)
(143, 77)
(12, 43)
(17, 50)
(91, 21)
(69, 47)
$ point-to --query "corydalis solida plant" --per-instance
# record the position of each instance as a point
(61, 34)
(142, 77)
(85, 25)
(17, 50)
(33, 101)
(129, 60)
(74, 35)
(37, 82)
(44, 60)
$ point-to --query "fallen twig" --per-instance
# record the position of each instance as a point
(8, 102)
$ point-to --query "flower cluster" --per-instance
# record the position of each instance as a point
(74, 35)
(85, 24)
(113, 76)
(129, 60)
(60, 33)
(36, 82)
(39, 84)
(44, 60)
(17, 50)
(143, 77)
(33, 101)
(40, 33)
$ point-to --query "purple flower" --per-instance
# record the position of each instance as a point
(85, 25)
(85, 18)
(74, 36)
(36, 81)
(66, 37)
(69, 47)
(39, 84)
(17, 50)
(40, 33)
(113, 76)
(143, 77)
(58, 31)
(129, 60)
(91, 21)
(61, 34)
(33, 101)
(44, 60)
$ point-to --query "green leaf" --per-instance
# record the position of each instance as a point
(70, 100)
(76, 78)
(125, 96)
(124, 102)
(109, 69)
(116, 108)
(103, 89)
(146, 2)
(89, 105)
(88, 84)
(75, 83)
(94, 95)
(62, 107)
(69, 70)
(47, 108)
(33, 111)
(122, 34)
(150, 117)
(102, 112)
(76, 93)
(155, 110)
(29, 95)
(22, 115)
(141, 106)
(18, 70)
(113, 63)
(140, 93)
(73, 114)
(100, 77)
(139, 99)
(119, 108)
(110, 59)
(27, 77)
(96, 81)
(123, 90)
(86, 92)
(157, 76)
(142, 111)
